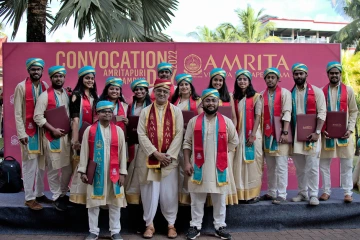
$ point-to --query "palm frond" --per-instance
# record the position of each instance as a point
(12, 12)
(348, 35)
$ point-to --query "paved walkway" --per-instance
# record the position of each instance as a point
(322, 234)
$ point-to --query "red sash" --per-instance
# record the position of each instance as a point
(51, 105)
(310, 102)
(193, 106)
(237, 113)
(30, 126)
(250, 118)
(86, 110)
(121, 112)
(221, 103)
(343, 97)
(268, 127)
(154, 134)
(221, 154)
(114, 150)
(172, 91)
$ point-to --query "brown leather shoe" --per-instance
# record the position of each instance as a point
(172, 232)
(348, 199)
(324, 197)
(33, 205)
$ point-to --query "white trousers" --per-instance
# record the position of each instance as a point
(307, 173)
(167, 191)
(114, 219)
(197, 209)
(346, 166)
(32, 177)
(59, 185)
(277, 173)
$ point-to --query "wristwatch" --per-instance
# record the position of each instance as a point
(318, 132)
(285, 132)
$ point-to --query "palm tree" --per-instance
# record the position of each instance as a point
(350, 34)
(107, 20)
(252, 29)
(203, 34)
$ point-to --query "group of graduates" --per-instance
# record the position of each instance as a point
(216, 158)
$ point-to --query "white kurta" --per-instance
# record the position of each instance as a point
(61, 159)
(147, 148)
(320, 113)
(209, 171)
(109, 196)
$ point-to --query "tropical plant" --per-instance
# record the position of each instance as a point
(350, 34)
(107, 20)
(351, 76)
(251, 29)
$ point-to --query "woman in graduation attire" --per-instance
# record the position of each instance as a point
(185, 98)
(113, 93)
(248, 161)
(83, 99)
(217, 81)
(141, 99)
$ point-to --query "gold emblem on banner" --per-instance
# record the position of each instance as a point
(192, 64)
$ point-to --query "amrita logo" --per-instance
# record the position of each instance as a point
(192, 65)
(14, 140)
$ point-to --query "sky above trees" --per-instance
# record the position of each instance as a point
(211, 13)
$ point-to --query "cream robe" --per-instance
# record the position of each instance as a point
(248, 175)
(352, 113)
(77, 187)
(109, 196)
(298, 147)
(286, 108)
(146, 147)
(132, 185)
(184, 196)
(20, 115)
(61, 159)
(209, 183)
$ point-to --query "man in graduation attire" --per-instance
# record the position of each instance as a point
(339, 97)
(56, 143)
(165, 71)
(307, 99)
(277, 103)
(29, 134)
(104, 143)
(160, 133)
(208, 139)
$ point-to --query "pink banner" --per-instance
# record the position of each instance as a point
(134, 60)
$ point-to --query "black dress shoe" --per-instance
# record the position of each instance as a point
(44, 199)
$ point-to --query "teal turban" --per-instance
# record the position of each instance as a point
(243, 72)
(86, 70)
(164, 66)
(56, 69)
(333, 64)
(114, 81)
(218, 71)
(272, 70)
(140, 82)
(38, 62)
(210, 92)
(299, 67)
(183, 76)
(104, 105)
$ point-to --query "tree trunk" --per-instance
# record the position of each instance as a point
(356, 139)
(36, 21)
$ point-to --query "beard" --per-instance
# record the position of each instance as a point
(55, 86)
(334, 80)
(300, 81)
(35, 77)
(210, 111)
